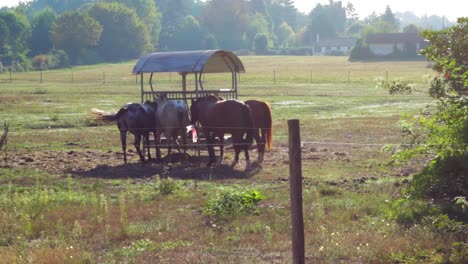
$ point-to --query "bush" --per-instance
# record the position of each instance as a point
(442, 136)
(231, 203)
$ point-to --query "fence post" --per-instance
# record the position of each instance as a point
(103, 77)
(11, 78)
(295, 180)
(41, 76)
(274, 77)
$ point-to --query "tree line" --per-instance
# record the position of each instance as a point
(59, 33)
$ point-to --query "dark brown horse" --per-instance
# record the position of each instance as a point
(138, 119)
(263, 135)
(217, 117)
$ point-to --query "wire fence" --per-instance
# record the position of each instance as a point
(276, 77)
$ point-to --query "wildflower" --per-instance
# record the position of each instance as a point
(447, 75)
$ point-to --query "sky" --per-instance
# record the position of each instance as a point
(451, 9)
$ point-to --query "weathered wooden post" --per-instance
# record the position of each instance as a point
(295, 180)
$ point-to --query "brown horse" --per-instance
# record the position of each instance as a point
(138, 119)
(217, 117)
(261, 112)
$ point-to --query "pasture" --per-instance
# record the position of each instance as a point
(67, 197)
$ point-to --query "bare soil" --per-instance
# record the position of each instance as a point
(110, 165)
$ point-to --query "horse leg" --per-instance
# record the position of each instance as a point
(260, 144)
(123, 139)
(170, 140)
(184, 142)
(147, 144)
(236, 140)
(247, 157)
(221, 148)
(211, 154)
(137, 146)
(157, 141)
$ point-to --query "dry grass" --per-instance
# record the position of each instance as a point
(89, 207)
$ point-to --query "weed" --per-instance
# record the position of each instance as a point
(231, 203)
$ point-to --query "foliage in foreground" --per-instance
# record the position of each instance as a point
(440, 135)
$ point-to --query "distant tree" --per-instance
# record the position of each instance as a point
(17, 30)
(227, 20)
(283, 11)
(326, 21)
(258, 24)
(173, 15)
(411, 28)
(40, 43)
(261, 43)
(4, 33)
(73, 32)
(148, 13)
(124, 36)
(188, 37)
(283, 34)
(59, 6)
(389, 18)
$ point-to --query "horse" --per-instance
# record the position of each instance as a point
(261, 112)
(138, 119)
(217, 117)
(172, 120)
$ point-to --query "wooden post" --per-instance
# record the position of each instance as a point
(295, 179)
(103, 77)
(40, 80)
(274, 77)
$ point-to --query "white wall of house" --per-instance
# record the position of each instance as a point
(384, 49)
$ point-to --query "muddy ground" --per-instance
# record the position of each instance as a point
(110, 165)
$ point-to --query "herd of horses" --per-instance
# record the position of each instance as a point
(245, 121)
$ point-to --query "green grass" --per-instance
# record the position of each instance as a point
(131, 216)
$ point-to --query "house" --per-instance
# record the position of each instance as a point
(388, 44)
(337, 46)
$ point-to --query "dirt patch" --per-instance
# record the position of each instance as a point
(110, 165)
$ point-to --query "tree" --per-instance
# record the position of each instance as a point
(188, 37)
(148, 13)
(283, 34)
(326, 21)
(124, 36)
(442, 135)
(13, 45)
(261, 43)
(59, 6)
(73, 32)
(227, 20)
(39, 43)
(389, 18)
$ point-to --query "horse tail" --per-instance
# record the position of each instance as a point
(247, 114)
(107, 116)
(268, 130)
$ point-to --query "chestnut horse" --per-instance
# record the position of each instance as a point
(261, 112)
(217, 117)
(138, 119)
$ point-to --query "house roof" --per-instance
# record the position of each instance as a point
(206, 61)
(385, 38)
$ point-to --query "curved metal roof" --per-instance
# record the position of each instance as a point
(206, 61)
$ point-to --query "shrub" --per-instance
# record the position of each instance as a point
(231, 203)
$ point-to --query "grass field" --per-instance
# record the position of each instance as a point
(67, 197)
